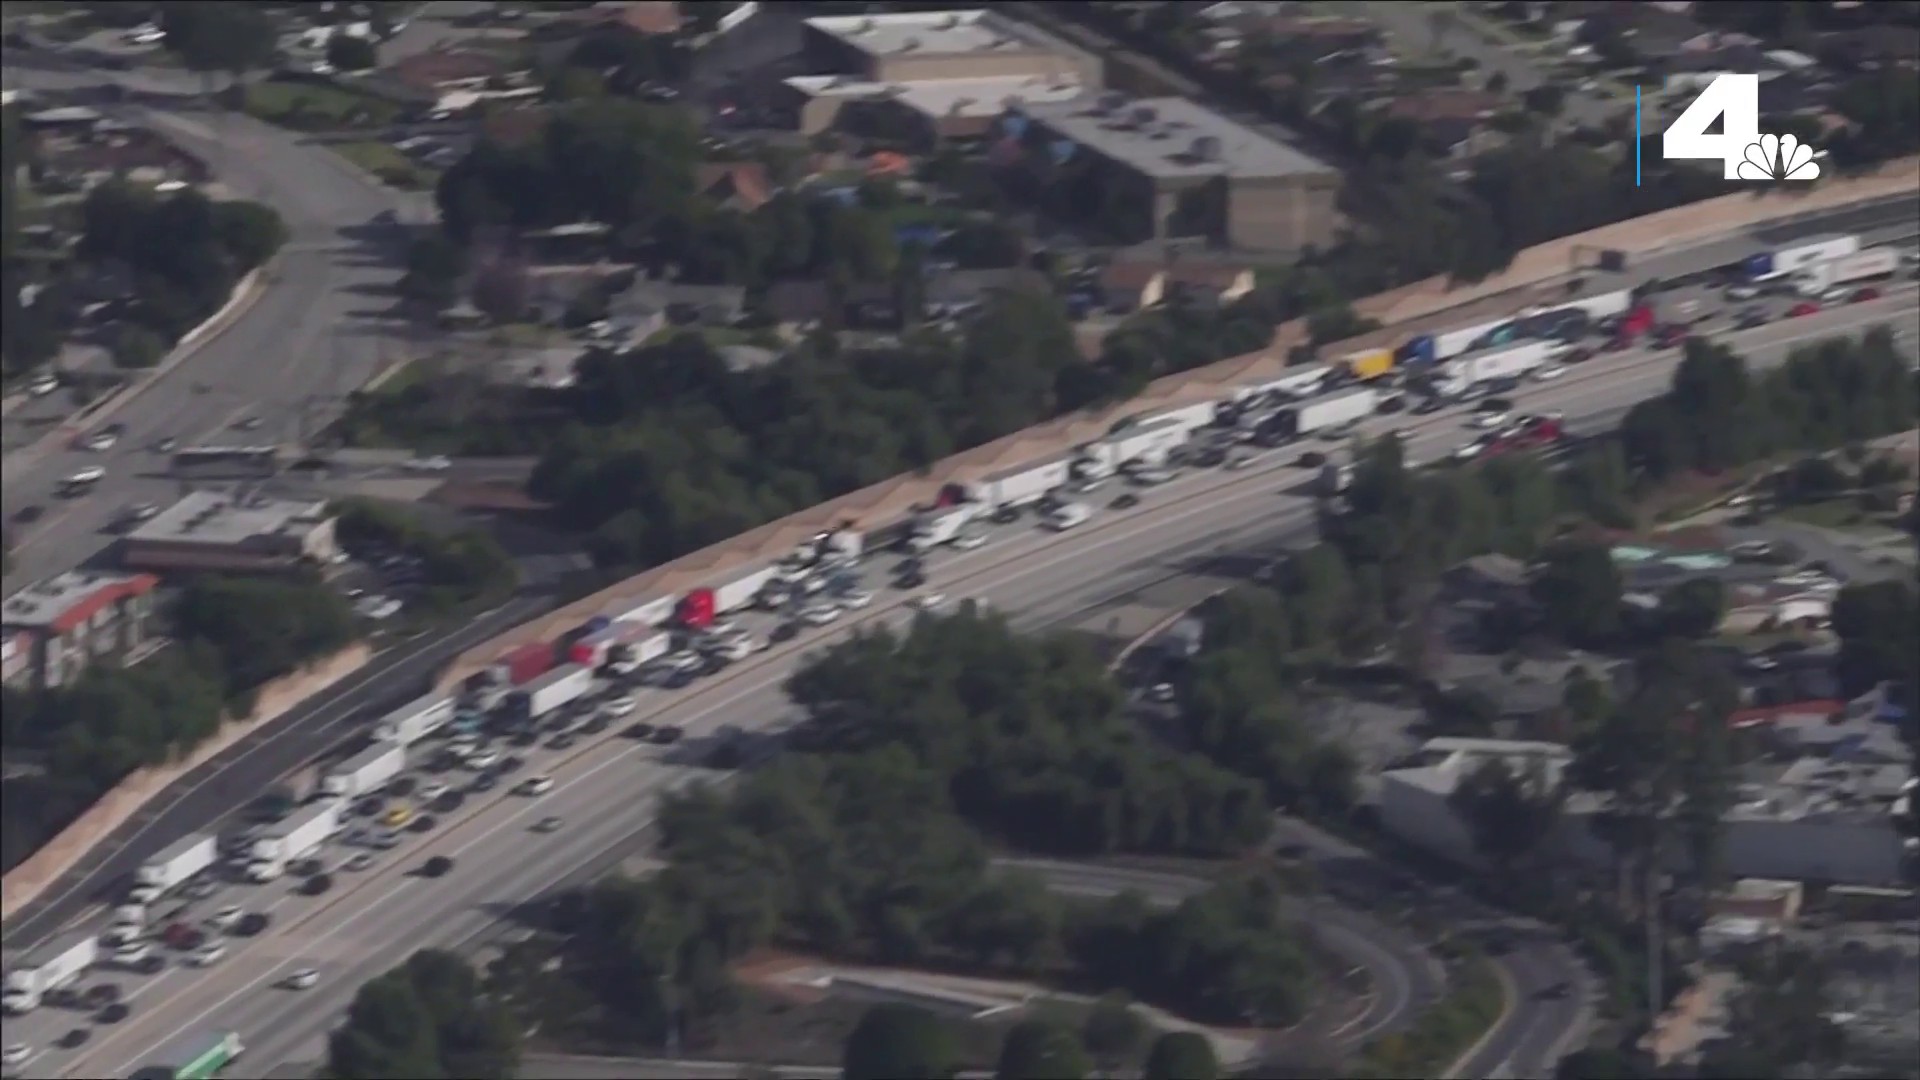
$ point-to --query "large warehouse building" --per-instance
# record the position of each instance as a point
(1194, 172)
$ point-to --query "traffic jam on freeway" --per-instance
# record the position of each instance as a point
(509, 732)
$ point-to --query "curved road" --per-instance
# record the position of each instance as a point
(607, 786)
(316, 328)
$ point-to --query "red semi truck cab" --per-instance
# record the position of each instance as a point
(697, 609)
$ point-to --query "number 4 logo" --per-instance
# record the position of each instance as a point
(1747, 154)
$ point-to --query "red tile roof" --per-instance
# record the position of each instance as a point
(98, 600)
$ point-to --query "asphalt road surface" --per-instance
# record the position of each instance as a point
(607, 786)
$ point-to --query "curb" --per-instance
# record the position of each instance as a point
(1510, 1003)
(246, 292)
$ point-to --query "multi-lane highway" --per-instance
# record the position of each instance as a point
(317, 329)
(607, 787)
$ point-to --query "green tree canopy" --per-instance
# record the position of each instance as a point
(899, 1042)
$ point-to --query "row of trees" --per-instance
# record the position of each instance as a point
(457, 567)
(182, 252)
(906, 1042)
(430, 1018)
(858, 845)
(229, 637)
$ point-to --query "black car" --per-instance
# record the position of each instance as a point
(28, 514)
(561, 741)
(523, 738)
(114, 1013)
(486, 781)
(667, 734)
(911, 581)
(596, 725)
(508, 764)
(75, 1039)
(422, 823)
(317, 884)
(251, 924)
(448, 803)
(1125, 502)
(682, 679)
(1005, 515)
(438, 866)
(1312, 459)
(101, 995)
(1428, 406)
(639, 730)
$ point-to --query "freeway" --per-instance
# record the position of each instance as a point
(311, 333)
(607, 787)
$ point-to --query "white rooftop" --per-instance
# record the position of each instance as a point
(211, 517)
(936, 98)
(43, 603)
(1171, 138)
(938, 33)
(1445, 762)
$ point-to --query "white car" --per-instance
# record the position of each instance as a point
(15, 1054)
(123, 935)
(1550, 372)
(928, 602)
(435, 463)
(1242, 462)
(132, 952)
(821, 614)
(1742, 292)
(433, 791)
(304, 979)
(208, 955)
(484, 760)
(44, 385)
(536, 785)
(1469, 451)
(619, 706)
(969, 541)
(144, 895)
(1162, 693)
(225, 917)
(102, 441)
(857, 600)
(360, 861)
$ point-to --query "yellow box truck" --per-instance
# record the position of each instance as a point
(1369, 364)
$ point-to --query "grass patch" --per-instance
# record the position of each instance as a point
(1443, 1032)
(316, 106)
(719, 337)
(394, 168)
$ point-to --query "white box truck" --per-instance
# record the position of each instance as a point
(365, 772)
(415, 720)
(1511, 362)
(174, 864)
(739, 590)
(563, 684)
(627, 656)
(1024, 484)
(844, 543)
(1861, 266)
(294, 838)
(1302, 381)
(1147, 443)
(47, 970)
(1326, 413)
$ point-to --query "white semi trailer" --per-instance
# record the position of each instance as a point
(47, 970)
(174, 864)
(365, 772)
(295, 838)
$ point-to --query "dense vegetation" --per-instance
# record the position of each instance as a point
(424, 1020)
(229, 637)
(457, 567)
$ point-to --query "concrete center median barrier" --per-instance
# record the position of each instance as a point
(26, 881)
(892, 500)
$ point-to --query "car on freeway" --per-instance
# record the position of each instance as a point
(360, 861)
(620, 706)
(640, 730)
(1749, 319)
(433, 790)
(485, 782)
(667, 734)
(1312, 459)
(167, 445)
(208, 955)
(1803, 309)
(596, 724)
(303, 979)
(856, 599)
(535, 785)
(1428, 406)
(423, 823)
(224, 919)
(317, 884)
(821, 614)
(927, 602)
(100, 995)
(102, 441)
(547, 825)
(437, 867)
(15, 1055)
(113, 1012)
(1550, 372)
(562, 741)
(1125, 501)
(75, 1039)
(248, 423)
(1866, 294)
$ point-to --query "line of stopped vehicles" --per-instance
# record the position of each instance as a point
(189, 903)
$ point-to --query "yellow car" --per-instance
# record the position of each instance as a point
(398, 816)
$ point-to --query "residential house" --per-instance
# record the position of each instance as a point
(447, 81)
(116, 153)
(1135, 285)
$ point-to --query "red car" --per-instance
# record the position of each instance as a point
(1806, 307)
(1866, 294)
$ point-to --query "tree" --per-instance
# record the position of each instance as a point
(1113, 1031)
(347, 52)
(435, 266)
(1038, 1050)
(1694, 607)
(218, 37)
(425, 1018)
(1509, 814)
(1181, 1055)
(501, 290)
(899, 1042)
(137, 347)
(1579, 589)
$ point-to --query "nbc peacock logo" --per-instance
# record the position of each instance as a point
(1778, 157)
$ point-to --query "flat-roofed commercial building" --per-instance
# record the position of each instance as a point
(54, 628)
(930, 75)
(1189, 171)
(209, 530)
